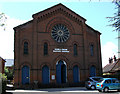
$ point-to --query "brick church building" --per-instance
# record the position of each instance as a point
(56, 47)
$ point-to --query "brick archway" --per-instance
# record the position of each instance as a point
(63, 58)
(61, 72)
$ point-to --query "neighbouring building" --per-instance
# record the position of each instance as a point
(56, 47)
(2, 65)
(112, 69)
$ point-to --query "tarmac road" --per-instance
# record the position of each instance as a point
(71, 90)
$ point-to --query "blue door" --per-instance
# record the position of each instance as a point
(61, 72)
(45, 75)
(76, 74)
(25, 75)
(58, 73)
(92, 71)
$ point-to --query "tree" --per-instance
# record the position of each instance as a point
(116, 19)
(3, 20)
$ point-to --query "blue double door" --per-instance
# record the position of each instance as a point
(45, 75)
(76, 76)
(25, 75)
(61, 75)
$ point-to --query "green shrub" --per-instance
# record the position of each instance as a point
(4, 81)
(9, 73)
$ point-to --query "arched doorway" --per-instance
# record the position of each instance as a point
(25, 75)
(76, 76)
(92, 71)
(45, 75)
(61, 74)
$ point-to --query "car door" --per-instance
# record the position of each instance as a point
(117, 84)
(114, 84)
(108, 84)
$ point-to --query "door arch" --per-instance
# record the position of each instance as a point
(45, 75)
(25, 75)
(76, 76)
(92, 71)
(61, 74)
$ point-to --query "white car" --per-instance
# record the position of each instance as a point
(91, 82)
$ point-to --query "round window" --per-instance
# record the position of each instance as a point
(60, 33)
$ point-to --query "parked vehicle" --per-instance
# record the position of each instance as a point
(91, 82)
(106, 84)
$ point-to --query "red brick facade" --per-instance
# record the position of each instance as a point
(38, 31)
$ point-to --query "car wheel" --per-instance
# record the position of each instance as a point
(106, 89)
(100, 90)
(118, 90)
(92, 87)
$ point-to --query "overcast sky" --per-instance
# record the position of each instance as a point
(94, 12)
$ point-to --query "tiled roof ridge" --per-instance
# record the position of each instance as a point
(115, 63)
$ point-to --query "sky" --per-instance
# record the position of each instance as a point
(94, 12)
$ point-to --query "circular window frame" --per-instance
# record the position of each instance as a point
(60, 33)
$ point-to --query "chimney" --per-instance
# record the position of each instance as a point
(115, 59)
(110, 60)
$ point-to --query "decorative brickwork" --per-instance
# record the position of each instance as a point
(57, 57)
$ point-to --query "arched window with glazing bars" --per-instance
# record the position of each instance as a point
(75, 50)
(45, 48)
(25, 48)
(91, 49)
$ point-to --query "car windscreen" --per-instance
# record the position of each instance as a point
(96, 79)
(100, 80)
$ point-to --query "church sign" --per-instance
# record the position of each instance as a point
(61, 50)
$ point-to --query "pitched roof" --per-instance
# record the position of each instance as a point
(112, 67)
(116, 67)
(58, 7)
(2, 59)
(108, 67)
(93, 29)
(55, 9)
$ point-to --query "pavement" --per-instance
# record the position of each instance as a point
(69, 90)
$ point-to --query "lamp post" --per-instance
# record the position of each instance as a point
(118, 4)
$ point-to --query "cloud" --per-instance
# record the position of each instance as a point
(108, 51)
(7, 38)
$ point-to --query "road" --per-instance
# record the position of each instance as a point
(73, 90)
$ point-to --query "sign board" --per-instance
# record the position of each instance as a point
(61, 50)
(53, 77)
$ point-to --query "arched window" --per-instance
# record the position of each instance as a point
(45, 49)
(92, 71)
(91, 49)
(75, 50)
(25, 47)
